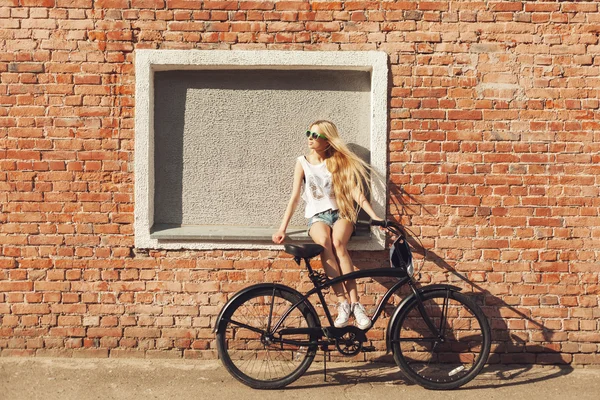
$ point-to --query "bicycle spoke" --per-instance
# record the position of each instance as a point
(252, 353)
(452, 359)
(246, 326)
(271, 311)
(442, 327)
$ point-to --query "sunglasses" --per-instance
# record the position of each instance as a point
(315, 135)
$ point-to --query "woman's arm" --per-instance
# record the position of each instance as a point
(279, 236)
(363, 203)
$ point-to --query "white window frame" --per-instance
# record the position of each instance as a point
(147, 62)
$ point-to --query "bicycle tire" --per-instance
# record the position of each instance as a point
(438, 365)
(244, 352)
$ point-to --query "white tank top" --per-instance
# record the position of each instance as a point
(318, 188)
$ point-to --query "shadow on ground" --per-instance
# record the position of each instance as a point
(491, 377)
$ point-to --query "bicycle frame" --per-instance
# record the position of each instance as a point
(371, 273)
(320, 283)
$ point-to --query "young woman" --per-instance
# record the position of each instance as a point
(334, 186)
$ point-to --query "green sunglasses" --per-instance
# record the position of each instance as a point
(315, 135)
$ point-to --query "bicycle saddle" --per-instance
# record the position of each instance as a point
(305, 250)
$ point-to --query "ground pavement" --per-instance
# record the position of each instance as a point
(66, 378)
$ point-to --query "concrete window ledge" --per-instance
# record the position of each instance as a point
(217, 133)
(236, 233)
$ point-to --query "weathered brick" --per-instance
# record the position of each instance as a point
(20, 309)
(285, 5)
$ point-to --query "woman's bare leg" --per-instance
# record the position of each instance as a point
(342, 231)
(321, 234)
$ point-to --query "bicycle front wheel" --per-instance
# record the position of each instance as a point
(448, 361)
(259, 358)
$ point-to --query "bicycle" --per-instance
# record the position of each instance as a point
(268, 334)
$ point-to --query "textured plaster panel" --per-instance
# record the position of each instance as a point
(150, 61)
(226, 141)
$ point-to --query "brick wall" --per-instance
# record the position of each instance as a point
(494, 139)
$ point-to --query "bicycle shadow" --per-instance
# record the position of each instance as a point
(491, 377)
(351, 375)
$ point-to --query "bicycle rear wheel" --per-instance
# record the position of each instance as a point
(256, 357)
(446, 363)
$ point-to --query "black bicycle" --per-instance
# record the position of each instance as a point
(268, 334)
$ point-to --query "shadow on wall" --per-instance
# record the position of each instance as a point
(507, 348)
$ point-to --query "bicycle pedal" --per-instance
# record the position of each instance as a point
(368, 349)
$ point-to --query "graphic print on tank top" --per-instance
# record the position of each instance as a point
(320, 188)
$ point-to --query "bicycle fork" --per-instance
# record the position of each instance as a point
(437, 332)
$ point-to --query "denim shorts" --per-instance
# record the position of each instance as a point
(328, 217)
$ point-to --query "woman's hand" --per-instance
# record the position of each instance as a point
(376, 218)
(278, 237)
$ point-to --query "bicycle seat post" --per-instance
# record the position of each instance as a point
(307, 262)
(317, 278)
(311, 272)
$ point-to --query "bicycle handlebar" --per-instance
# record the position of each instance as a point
(375, 222)
(390, 225)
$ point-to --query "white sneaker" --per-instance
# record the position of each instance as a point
(343, 315)
(361, 318)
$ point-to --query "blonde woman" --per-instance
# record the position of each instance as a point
(334, 185)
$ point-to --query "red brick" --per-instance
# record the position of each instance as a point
(215, 264)
(469, 115)
(184, 4)
(178, 333)
(327, 5)
(74, 3)
(7, 263)
(177, 263)
(256, 5)
(323, 26)
(399, 5)
(533, 7)
(142, 332)
(35, 263)
(220, 5)
(433, 6)
(20, 309)
(361, 5)
(38, 3)
(90, 353)
(67, 332)
(284, 5)
(251, 264)
(16, 286)
(505, 6)
(123, 4)
(103, 332)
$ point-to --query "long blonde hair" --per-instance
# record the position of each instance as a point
(349, 172)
